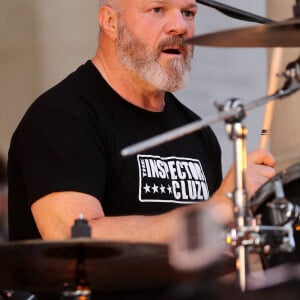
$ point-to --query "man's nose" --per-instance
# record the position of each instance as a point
(177, 24)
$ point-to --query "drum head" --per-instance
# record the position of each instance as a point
(290, 179)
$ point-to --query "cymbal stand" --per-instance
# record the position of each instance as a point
(81, 291)
(237, 132)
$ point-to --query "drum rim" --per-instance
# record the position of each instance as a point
(286, 175)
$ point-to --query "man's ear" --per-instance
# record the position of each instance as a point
(108, 21)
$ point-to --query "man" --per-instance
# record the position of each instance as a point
(64, 158)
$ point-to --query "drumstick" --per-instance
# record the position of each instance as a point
(276, 62)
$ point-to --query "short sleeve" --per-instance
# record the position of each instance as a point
(59, 151)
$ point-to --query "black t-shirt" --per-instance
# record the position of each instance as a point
(70, 140)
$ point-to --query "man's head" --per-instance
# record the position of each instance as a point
(149, 39)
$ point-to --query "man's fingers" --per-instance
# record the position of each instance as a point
(262, 157)
(261, 170)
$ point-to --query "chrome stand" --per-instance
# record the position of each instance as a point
(237, 132)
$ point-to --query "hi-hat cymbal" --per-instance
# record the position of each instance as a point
(39, 266)
(277, 34)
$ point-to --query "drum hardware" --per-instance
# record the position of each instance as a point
(81, 289)
(81, 228)
(80, 292)
(247, 235)
(263, 239)
(277, 203)
(271, 34)
(234, 12)
(281, 209)
(277, 34)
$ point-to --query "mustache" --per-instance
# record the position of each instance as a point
(173, 41)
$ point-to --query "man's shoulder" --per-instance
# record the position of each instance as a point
(71, 93)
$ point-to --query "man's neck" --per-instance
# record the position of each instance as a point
(128, 85)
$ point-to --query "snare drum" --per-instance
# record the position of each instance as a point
(287, 182)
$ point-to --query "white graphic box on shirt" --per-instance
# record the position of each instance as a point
(171, 179)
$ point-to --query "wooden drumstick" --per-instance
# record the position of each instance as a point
(275, 66)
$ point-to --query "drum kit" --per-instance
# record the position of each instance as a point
(268, 224)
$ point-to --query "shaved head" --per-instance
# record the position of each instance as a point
(115, 4)
(104, 2)
(111, 3)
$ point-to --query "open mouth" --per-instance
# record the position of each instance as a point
(175, 51)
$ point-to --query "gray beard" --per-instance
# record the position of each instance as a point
(133, 54)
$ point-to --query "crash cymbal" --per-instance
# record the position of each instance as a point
(39, 266)
(277, 34)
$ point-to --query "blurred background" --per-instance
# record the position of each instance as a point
(42, 41)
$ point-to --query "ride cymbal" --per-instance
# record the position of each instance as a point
(47, 266)
(40, 266)
(277, 34)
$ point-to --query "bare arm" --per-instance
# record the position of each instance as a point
(55, 213)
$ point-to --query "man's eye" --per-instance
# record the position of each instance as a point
(188, 13)
(156, 10)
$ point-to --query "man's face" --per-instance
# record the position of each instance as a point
(152, 46)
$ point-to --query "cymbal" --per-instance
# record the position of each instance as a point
(40, 266)
(278, 34)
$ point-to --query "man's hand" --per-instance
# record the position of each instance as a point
(260, 168)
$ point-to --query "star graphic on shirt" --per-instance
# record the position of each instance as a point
(169, 188)
(162, 189)
(155, 188)
(147, 188)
